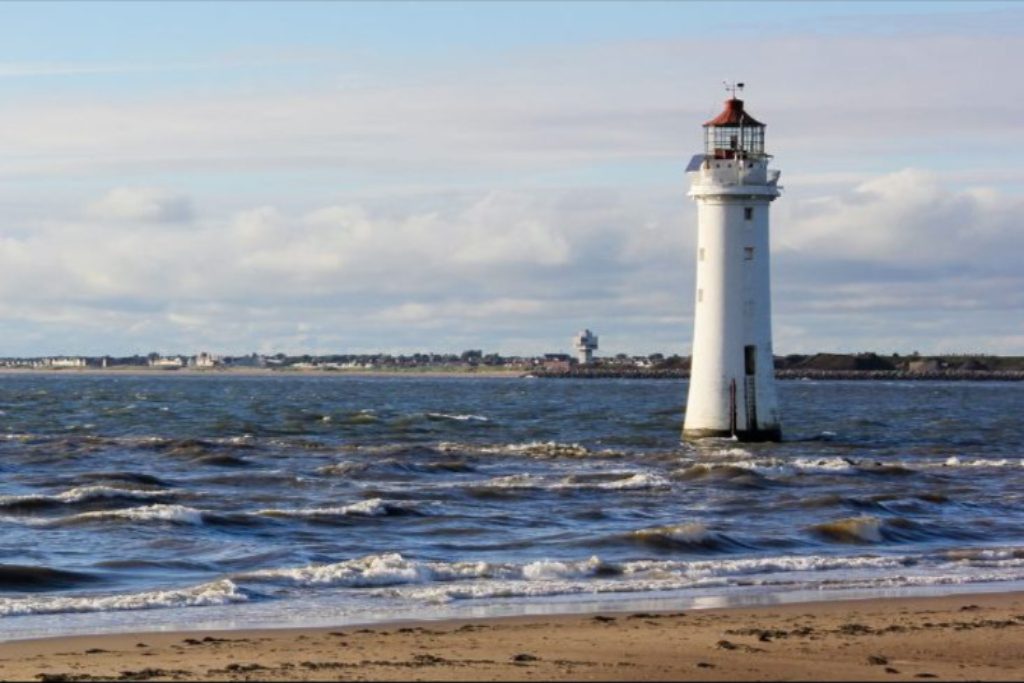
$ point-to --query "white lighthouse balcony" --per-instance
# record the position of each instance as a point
(742, 177)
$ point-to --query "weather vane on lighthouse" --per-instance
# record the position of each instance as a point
(732, 372)
(732, 87)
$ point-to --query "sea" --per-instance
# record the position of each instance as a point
(158, 502)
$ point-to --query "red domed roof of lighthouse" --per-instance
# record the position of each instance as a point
(733, 116)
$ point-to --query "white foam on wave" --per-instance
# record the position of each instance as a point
(393, 576)
(533, 449)
(823, 465)
(954, 461)
(633, 482)
(726, 453)
(372, 507)
(80, 494)
(161, 513)
(459, 417)
(220, 592)
(372, 570)
(628, 481)
(545, 570)
(177, 514)
(778, 466)
(595, 577)
(687, 532)
(390, 569)
(515, 481)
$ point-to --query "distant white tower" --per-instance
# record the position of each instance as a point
(585, 343)
(732, 377)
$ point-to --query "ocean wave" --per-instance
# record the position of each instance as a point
(343, 468)
(458, 417)
(390, 569)
(730, 473)
(778, 468)
(127, 477)
(871, 529)
(541, 450)
(191, 447)
(955, 461)
(687, 536)
(79, 494)
(360, 417)
(15, 577)
(373, 570)
(372, 507)
(395, 576)
(594, 576)
(177, 514)
(615, 481)
(220, 592)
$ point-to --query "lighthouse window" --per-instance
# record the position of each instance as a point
(700, 295)
(748, 213)
(700, 254)
(748, 253)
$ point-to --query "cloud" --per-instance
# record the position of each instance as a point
(899, 256)
(509, 201)
(143, 204)
(908, 220)
(487, 262)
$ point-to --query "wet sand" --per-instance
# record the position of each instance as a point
(962, 637)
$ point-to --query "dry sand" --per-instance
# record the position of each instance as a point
(964, 637)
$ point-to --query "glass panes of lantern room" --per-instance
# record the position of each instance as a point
(728, 142)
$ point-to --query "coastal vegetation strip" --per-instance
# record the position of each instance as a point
(823, 366)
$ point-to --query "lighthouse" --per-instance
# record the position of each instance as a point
(732, 375)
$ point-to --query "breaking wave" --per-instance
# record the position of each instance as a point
(619, 481)
(372, 507)
(78, 495)
(692, 536)
(220, 592)
(177, 514)
(458, 417)
(541, 450)
(870, 529)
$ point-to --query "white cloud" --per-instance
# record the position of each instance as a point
(144, 204)
(907, 219)
(513, 202)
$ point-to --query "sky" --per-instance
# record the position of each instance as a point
(345, 177)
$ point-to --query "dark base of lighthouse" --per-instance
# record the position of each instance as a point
(770, 434)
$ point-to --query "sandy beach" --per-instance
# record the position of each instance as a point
(962, 637)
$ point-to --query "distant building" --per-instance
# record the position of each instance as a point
(556, 362)
(585, 343)
(204, 360)
(166, 363)
(63, 362)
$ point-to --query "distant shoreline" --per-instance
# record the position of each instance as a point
(490, 373)
(142, 371)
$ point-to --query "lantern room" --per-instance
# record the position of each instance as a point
(734, 134)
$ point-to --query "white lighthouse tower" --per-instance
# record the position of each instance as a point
(732, 377)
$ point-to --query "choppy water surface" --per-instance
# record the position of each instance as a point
(159, 502)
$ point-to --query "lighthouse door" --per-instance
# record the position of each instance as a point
(749, 388)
